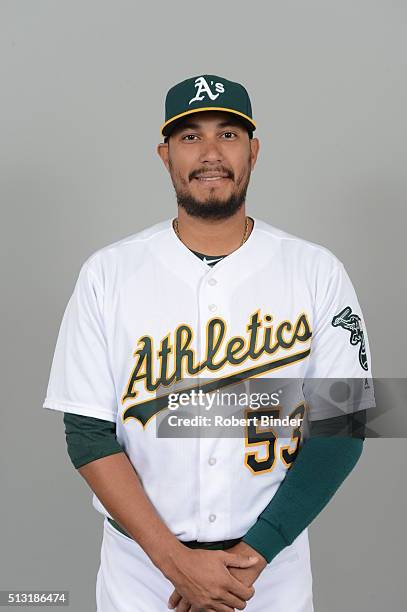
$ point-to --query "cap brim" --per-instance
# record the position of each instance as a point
(169, 125)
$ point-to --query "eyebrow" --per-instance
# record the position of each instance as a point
(191, 125)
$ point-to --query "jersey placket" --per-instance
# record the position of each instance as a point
(214, 478)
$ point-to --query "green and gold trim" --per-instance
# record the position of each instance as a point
(206, 108)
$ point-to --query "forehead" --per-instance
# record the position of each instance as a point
(208, 119)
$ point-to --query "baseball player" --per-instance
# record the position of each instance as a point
(207, 299)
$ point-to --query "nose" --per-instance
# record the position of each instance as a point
(211, 152)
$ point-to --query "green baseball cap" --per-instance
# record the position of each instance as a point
(205, 93)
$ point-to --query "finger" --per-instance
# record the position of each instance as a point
(232, 560)
(234, 602)
(174, 600)
(183, 606)
(219, 608)
(239, 589)
(230, 600)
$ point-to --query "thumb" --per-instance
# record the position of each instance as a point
(243, 561)
(174, 600)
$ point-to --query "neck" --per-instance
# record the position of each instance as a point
(213, 237)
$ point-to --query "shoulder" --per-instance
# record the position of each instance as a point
(107, 260)
(299, 252)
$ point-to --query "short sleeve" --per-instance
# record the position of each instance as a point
(340, 356)
(81, 380)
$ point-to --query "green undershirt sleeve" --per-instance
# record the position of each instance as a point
(320, 468)
(89, 439)
(322, 464)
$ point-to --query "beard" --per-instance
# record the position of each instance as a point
(212, 207)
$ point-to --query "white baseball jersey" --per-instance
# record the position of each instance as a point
(147, 312)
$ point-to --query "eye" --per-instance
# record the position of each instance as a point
(229, 135)
(189, 137)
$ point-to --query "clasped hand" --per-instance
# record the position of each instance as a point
(214, 580)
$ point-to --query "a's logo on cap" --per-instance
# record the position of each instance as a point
(203, 88)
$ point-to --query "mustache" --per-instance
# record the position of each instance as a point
(211, 171)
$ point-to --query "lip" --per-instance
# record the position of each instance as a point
(211, 179)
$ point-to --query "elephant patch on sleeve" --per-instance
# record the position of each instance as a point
(353, 323)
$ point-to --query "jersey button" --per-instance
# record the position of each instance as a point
(212, 460)
(212, 282)
(212, 518)
(212, 307)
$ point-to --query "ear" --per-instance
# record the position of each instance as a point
(254, 150)
(162, 150)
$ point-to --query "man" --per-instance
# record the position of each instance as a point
(208, 522)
